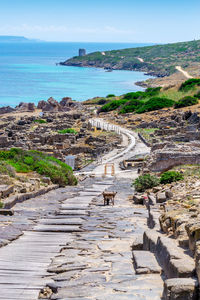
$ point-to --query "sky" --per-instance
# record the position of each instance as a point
(134, 21)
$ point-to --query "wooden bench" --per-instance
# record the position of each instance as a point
(109, 197)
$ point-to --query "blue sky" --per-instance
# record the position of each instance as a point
(102, 21)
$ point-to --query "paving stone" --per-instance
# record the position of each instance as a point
(146, 260)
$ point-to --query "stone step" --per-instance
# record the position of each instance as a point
(68, 212)
(174, 261)
(145, 262)
(57, 228)
(71, 221)
(181, 289)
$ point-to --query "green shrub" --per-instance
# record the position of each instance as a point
(144, 182)
(1, 204)
(150, 92)
(155, 104)
(40, 121)
(102, 101)
(130, 106)
(26, 161)
(197, 95)
(68, 130)
(186, 101)
(134, 95)
(189, 84)
(110, 96)
(112, 105)
(171, 176)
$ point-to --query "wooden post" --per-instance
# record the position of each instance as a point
(105, 169)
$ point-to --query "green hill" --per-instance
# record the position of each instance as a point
(158, 60)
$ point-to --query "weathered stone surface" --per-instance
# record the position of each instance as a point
(150, 239)
(138, 243)
(180, 289)
(147, 261)
(172, 258)
(161, 197)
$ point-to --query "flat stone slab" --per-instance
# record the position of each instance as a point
(60, 221)
(68, 212)
(145, 261)
(57, 228)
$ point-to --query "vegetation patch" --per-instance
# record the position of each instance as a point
(112, 105)
(189, 84)
(155, 104)
(67, 130)
(40, 121)
(27, 161)
(186, 101)
(171, 176)
(145, 182)
(110, 96)
(130, 106)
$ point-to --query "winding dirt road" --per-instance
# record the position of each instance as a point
(185, 73)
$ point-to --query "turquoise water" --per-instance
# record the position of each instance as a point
(28, 72)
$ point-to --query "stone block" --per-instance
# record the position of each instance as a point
(6, 212)
(138, 199)
(6, 190)
(150, 238)
(146, 261)
(138, 242)
(180, 289)
(161, 197)
(173, 260)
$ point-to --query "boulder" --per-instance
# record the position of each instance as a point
(193, 232)
(41, 104)
(161, 197)
(26, 107)
(138, 199)
(6, 109)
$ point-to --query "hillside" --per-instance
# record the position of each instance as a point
(185, 95)
(14, 39)
(158, 60)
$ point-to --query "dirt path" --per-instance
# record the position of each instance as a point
(185, 73)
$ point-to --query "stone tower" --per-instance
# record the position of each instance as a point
(82, 52)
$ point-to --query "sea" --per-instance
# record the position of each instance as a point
(29, 73)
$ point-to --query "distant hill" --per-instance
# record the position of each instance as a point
(158, 60)
(14, 39)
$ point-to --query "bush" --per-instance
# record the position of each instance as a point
(197, 95)
(130, 106)
(68, 130)
(171, 176)
(155, 104)
(186, 101)
(110, 95)
(144, 182)
(102, 101)
(150, 92)
(112, 105)
(40, 121)
(134, 95)
(28, 161)
(189, 84)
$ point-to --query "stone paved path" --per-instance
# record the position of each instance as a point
(76, 246)
(97, 263)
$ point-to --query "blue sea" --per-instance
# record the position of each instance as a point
(28, 73)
